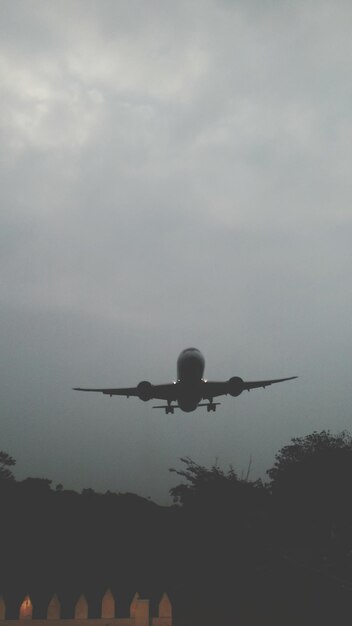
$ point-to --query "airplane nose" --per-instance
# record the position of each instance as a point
(192, 366)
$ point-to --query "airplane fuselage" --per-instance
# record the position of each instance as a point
(190, 369)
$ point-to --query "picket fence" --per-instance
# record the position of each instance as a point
(139, 613)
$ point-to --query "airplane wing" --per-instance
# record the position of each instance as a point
(236, 385)
(144, 391)
(122, 391)
(265, 383)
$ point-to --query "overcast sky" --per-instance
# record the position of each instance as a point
(172, 174)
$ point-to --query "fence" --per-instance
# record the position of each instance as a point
(139, 613)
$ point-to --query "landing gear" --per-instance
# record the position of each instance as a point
(169, 408)
(211, 406)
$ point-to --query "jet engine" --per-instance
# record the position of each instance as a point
(145, 390)
(236, 386)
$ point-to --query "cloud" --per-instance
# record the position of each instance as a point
(175, 173)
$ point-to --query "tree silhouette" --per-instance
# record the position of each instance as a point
(317, 467)
(311, 485)
(6, 461)
(203, 484)
(222, 515)
(227, 535)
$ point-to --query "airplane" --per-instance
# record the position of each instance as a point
(190, 387)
